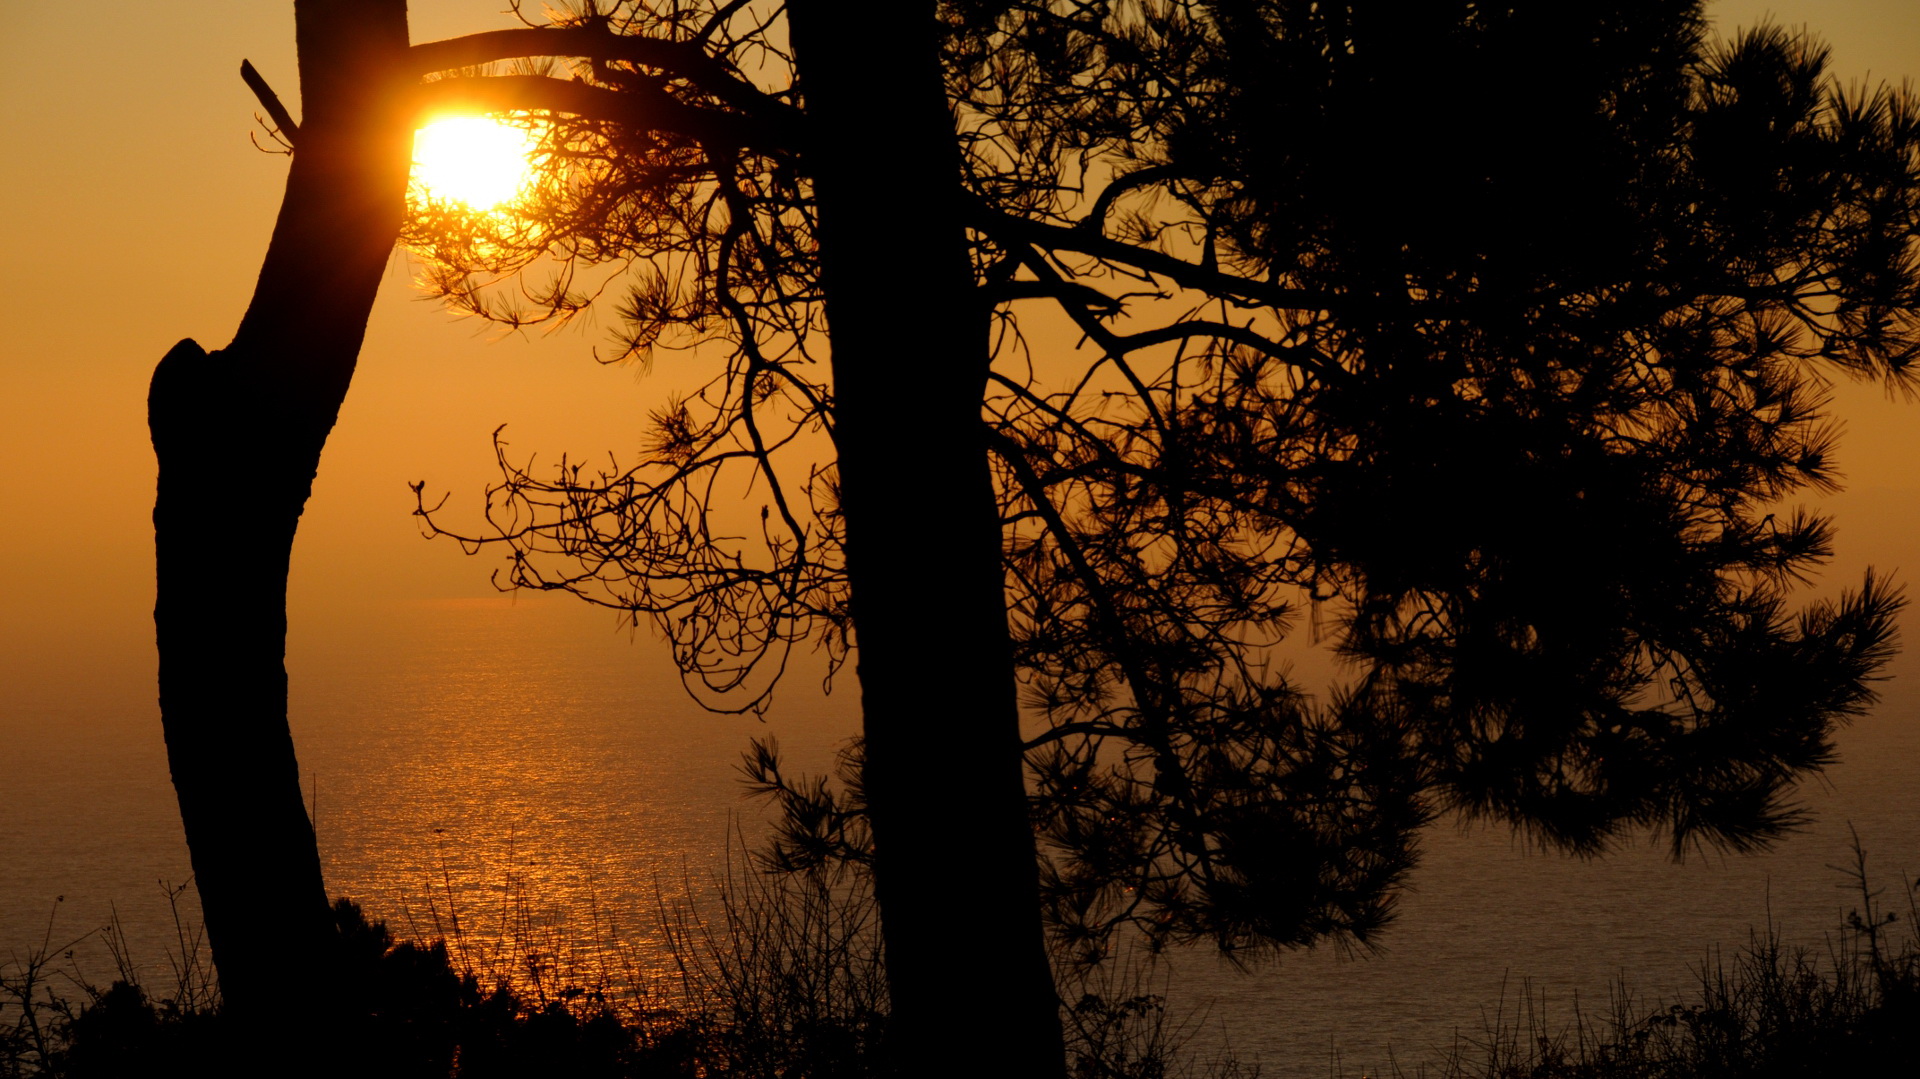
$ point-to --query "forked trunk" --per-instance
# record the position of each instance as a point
(954, 852)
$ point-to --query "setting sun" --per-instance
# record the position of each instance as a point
(476, 160)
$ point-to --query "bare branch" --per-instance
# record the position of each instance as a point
(641, 109)
(682, 59)
(1086, 296)
(1011, 230)
(1096, 218)
(270, 101)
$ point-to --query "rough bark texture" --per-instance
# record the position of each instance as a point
(954, 851)
(238, 434)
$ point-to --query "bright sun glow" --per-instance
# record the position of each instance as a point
(475, 160)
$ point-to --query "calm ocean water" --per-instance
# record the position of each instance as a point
(500, 759)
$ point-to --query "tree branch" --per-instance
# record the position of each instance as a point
(1096, 218)
(270, 101)
(1300, 358)
(1012, 230)
(647, 110)
(1085, 295)
(683, 59)
(1153, 698)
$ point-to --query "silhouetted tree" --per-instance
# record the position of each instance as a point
(1488, 337)
(238, 434)
(759, 243)
(1353, 277)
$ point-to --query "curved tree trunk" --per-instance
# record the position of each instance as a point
(238, 434)
(953, 847)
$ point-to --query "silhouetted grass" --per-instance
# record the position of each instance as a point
(786, 982)
(1772, 1012)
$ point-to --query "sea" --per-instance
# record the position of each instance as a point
(515, 768)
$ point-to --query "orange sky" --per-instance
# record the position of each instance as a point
(136, 213)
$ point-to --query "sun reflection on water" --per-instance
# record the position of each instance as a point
(519, 773)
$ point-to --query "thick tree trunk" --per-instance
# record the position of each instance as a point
(954, 851)
(238, 434)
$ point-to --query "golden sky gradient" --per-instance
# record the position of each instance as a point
(136, 212)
